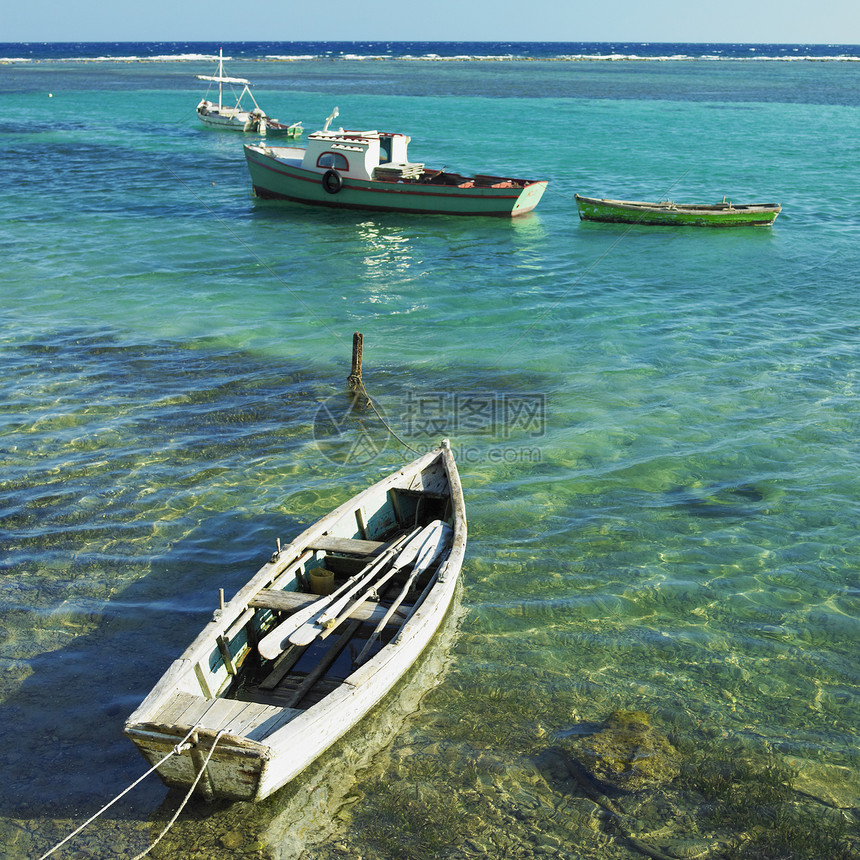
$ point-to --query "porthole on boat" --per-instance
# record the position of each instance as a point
(332, 181)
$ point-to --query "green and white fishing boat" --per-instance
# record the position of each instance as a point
(670, 214)
(238, 118)
(313, 641)
(371, 170)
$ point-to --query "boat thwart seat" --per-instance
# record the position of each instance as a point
(347, 546)
(291, 601)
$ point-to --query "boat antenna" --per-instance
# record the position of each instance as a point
(331, 116)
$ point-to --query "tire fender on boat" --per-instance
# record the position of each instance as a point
(332, 181)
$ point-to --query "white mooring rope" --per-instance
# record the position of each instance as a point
(179, 748)
(186, 799)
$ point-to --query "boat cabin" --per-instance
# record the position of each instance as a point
(359, 154)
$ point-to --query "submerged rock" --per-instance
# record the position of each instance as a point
(232, 839)
(627, 752)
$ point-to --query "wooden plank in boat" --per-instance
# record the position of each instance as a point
(282, 666)
(257, 716)
(347, 546)
(215, 714)
(264, 728)
(286, 601)
(187, 709)
(290, 601)
(212, 714)
(345, 565)
(175, 707)
(392, 171)
(221, 713)
(251, 715)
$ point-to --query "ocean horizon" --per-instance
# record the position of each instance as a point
(184, 51)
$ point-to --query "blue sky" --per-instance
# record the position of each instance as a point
(823, 22)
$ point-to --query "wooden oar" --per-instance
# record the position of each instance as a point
(305, 633)
(398, 636)
(406, 556)
(275, 641)
(423, 546)
(429, 553)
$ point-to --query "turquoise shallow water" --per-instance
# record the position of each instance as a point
(657, 431)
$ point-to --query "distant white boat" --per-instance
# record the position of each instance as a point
(238, 118)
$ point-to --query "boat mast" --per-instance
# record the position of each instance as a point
(220, 75)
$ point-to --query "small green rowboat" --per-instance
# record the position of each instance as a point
(667, 213)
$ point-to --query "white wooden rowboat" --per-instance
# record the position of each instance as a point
(280, 673)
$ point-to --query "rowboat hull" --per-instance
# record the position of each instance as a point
(241, 737)
(676, 215)
(279, 174)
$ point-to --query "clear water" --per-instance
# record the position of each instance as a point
(657, 433)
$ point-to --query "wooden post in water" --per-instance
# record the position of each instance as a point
(354, 378)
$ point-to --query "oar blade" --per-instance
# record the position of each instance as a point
(275, 641)
(437, 539)
(303, 636)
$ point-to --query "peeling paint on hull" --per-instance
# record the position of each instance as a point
(676, 215)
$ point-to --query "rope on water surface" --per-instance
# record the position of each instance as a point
(175, 751)
(559, 193)
(387, 426)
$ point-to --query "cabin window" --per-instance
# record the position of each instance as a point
(333, 159)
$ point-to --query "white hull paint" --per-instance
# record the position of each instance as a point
(265, 746)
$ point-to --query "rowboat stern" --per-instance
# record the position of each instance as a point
(223, 765)
(188, 736)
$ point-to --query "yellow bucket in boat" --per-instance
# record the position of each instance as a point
(322, 581)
